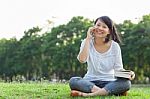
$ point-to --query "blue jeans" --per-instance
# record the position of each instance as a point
(112, 87)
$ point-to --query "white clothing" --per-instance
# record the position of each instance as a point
(101, 66)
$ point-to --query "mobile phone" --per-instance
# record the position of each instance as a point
(92, 33)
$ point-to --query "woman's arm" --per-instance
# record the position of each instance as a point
(84, 49)
(84, 52)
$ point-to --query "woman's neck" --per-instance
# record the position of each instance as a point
(99, 41)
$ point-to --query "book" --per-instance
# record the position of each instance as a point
(124, 73)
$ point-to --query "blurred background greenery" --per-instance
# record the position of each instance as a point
(51, 55)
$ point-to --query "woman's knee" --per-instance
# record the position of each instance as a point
(78, 83)
(125, 85)
(128, 84)
(73, 81)
(118, 86)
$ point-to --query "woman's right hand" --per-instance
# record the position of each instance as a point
(90, 32)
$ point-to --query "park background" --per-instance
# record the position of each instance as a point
(33, 49)
(40, 40)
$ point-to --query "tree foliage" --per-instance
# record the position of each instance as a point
(35, 56)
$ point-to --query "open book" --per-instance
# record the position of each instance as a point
(124, 73)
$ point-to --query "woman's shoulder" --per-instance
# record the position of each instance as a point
(115, 45)
(84, 40)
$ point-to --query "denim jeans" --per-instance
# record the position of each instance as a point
(112, 87)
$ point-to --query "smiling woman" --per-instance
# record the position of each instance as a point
(102, 53)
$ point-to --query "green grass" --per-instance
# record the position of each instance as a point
(58, 91)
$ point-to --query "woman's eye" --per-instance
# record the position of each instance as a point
(104, 27)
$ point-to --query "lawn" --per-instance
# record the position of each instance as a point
(58, 91)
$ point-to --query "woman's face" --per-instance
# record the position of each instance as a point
(102, 29)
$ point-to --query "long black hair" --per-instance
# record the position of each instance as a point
(113, 32)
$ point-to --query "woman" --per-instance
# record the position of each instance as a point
(101, 51)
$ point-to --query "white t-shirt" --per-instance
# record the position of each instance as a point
(101, 66)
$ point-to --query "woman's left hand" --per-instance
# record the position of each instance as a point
(132, 76)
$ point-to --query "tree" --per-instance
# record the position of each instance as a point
(30, 53)
(135, 48)
(62, 46)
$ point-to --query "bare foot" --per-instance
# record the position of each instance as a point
(84, 94)
(75, 93)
